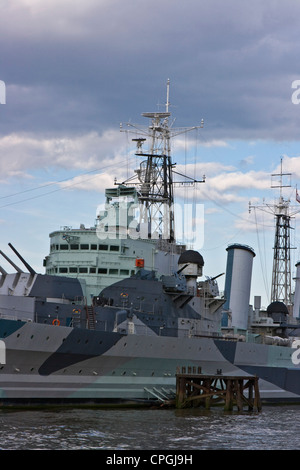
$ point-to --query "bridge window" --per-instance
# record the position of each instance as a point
(103, 247)
(83, 270)
(113, 271)
(114, 247)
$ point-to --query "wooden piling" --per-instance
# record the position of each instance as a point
(196, 389)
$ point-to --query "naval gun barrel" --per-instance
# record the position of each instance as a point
(30, 269)
(11, 262)
(181, 269)
(2, 271)
(216, 277)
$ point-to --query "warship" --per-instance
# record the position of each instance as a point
(122, 305)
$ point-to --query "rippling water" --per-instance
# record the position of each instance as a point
(141, 429)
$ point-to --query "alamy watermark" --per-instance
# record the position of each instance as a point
(296, 94)
(2, 92)
(296, 354)
(134, 221)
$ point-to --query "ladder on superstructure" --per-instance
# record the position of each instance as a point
(90, 316)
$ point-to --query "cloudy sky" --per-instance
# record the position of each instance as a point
(74, 70)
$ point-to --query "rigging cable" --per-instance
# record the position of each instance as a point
(53, 184)
(263, 268)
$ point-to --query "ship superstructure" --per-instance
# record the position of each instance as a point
(96, 337)
(135, 227)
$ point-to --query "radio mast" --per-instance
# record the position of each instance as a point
(155, 176)
(281, 273)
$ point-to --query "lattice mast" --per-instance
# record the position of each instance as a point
(155, 183)
(281, 272)
(156, 180)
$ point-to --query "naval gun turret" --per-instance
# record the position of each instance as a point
(190, 265)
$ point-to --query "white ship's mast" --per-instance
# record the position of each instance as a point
(155, 176)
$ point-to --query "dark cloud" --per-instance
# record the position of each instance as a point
(76, 67)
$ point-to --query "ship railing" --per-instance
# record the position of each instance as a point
(16, 317)
(163, 331)
(199, 334)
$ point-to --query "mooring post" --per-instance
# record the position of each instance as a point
(239, 393)
(257, 402)
(250, 395)
(207, 385)
(228, 397)
(180, 391)
(203, 390)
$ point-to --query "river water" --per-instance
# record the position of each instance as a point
(274, 428)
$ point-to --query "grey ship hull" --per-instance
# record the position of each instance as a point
(49, 364)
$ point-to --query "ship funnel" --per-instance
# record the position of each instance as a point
(296, 309)
(238, 284)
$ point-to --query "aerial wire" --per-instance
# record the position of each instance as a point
(262, 258)
(55, 183)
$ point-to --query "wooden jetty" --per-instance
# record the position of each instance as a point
(195, 389)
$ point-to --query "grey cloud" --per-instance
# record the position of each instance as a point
(75, 67)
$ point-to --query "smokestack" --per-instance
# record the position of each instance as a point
(238, 283)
